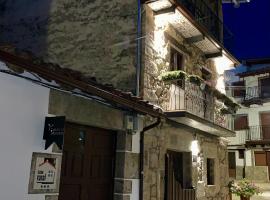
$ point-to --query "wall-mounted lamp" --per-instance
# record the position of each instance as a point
(195, 149)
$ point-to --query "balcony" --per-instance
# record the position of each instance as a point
(205, 16)
(191, 105)
(197, 23)
(255, 95)
(253, 135)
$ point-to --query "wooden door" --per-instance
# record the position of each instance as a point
(88, 164)
(265, 87)
(232, 165)
(265, 125)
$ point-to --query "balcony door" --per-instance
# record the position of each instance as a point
(265, 87)
(265, 125)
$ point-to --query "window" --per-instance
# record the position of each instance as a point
(240, 122)
(210, 171)
(239, 89)
(176, 60)
(265, 87)
(260, 158)
(241, 153)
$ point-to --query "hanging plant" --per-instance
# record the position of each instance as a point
(173, 75)
(226, 100)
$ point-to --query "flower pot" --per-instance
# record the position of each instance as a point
(244, 198)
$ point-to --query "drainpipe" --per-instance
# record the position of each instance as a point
(139, 48)
(147, 128)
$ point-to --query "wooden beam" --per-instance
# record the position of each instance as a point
(165, 10)
(214, 55)
(194, 39)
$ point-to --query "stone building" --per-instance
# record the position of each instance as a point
(248, 151)
(170, 53)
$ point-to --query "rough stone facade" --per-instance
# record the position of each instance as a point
(127, 161)
(96, 37)
(167, 137)
(159, 39)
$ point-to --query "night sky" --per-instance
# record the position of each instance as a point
(250, 25)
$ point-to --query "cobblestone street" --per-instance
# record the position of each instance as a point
(265, 188)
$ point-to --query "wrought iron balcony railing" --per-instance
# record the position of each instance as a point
(255, 93)
(206, 17)
(251, 133)
(255, 133)
(191, 98)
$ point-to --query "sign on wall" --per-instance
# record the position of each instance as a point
(45, 173)
(54, 131)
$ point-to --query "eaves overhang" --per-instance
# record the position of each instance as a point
(186, 25)
(73, 80)
(199, 123)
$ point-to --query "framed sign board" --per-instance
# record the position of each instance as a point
(45, 173)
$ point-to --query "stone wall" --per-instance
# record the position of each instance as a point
(168, 137)
(159, 37)
(96, 37)
(257, 173)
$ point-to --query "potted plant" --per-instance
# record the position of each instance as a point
(173, 76)
(245, 189)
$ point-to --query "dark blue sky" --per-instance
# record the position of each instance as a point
(250, 24)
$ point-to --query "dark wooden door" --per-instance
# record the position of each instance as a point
(265, 125)
(265, 87)
(88, 164)
(232, 165)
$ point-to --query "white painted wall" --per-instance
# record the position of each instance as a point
(248, 154)
(23, 108)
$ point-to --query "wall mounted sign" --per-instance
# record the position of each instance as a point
(45, 173)
(54, 131)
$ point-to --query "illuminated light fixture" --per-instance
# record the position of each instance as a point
(160, 5)
(222, 64)
(195, 150)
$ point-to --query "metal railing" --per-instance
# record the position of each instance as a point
(206, 17)
(191, 98)
(261, 132)
(257, 92)
(251, 133)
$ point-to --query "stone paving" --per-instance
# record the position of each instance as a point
(265, 188)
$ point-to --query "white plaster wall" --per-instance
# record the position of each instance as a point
(248, 154)
(239, 162)
(23, 108)
(254, 113)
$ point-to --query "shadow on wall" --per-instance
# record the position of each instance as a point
(24, 24)
(91, 36)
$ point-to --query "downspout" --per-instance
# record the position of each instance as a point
(141, 170)
(139, 48)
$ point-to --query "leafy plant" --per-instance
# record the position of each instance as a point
(244, 188)
(195, 79)
(173, 75)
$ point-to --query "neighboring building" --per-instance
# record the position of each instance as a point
(169, 53)
(249, 152)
